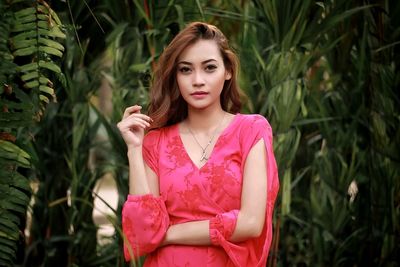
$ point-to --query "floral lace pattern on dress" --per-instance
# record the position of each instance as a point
(189, 193)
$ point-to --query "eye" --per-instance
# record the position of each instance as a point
(211, 67)
(184, 69)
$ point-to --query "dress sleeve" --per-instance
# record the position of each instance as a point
(145, 221)
(252, 252)
(150, 149)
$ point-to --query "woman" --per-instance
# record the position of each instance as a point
(203, 180)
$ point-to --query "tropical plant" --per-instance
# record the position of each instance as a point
(326, 80)
(29, 33)
(324, 73)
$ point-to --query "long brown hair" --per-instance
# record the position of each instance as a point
(166, 105)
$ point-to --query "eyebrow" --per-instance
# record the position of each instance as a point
(203, 62)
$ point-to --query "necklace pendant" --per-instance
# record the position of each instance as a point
(203, 156)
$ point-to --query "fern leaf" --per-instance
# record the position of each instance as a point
(23, 36)
(32, 84)
(30, 76)
(28, 67)
(24, 27)
(51, 51)
(51, 43)
(47, 90)
(44, 98)
(25, 51)
(44, 80)
(50, 66)
(53, 32)
(24, 12)
(24, 44)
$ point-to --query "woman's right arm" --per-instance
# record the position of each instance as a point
(142, 180)
(145, 219)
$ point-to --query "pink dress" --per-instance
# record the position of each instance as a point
(189, 193)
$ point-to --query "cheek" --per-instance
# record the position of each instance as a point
(181, 82)
(219, 81)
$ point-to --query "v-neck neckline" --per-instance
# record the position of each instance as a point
(223, 132)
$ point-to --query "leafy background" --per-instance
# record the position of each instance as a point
(324, 73)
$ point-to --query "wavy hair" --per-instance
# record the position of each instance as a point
(167, 106)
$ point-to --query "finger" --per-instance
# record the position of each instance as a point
(134, 119)
(141, 116)
(131, 122)
(133, 109)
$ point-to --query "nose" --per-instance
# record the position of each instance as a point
(198, 79)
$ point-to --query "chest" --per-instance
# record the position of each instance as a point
(218, 180)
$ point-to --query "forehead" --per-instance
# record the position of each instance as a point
(200, 51)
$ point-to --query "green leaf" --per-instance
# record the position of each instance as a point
(51, 43)
(28, 67)
(32, 84)
(19, 159)
(286, 192)
(7, 249)
(27, 18)
(44, 98)
(8, 216)
(9, 225)
(12, 207)
(44, 80)
(9, 235)
(24, 27)
(16, 180)
(10, 147)
(25, 12)
(24, 44)
(24, 36)
(50, 50)
(5, 241)
(139, 67)
(46, 89)
(49, 65)
(25, 51)
(44, 25)
(53, 32)
(29, 76)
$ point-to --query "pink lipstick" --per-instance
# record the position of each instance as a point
(199, 94)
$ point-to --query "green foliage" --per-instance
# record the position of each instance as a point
(34, 36)
(324, 73)
(28, 42)
(327, 92)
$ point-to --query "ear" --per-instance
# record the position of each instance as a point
(228, 75)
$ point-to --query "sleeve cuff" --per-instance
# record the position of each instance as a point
(222, 226)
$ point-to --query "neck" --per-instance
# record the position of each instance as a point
(204, 120)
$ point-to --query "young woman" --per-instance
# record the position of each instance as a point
(203, 180)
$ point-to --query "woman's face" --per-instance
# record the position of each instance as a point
(201, 75)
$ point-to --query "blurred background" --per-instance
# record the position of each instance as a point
(324, 73)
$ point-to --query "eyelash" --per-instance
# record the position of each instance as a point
(208, 68)
(211, 68)
(184, 69)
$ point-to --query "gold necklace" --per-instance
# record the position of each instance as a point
(204, 149)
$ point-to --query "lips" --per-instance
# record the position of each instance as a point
(199, 93)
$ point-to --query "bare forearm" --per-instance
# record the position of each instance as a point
(138, 184)
(189, 233)
(197, 232)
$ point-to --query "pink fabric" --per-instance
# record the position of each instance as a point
(189, 193)
(222, 226)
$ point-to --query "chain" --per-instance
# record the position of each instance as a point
(204, 149)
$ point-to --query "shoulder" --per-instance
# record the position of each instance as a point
(251, 122)
(154, 136)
